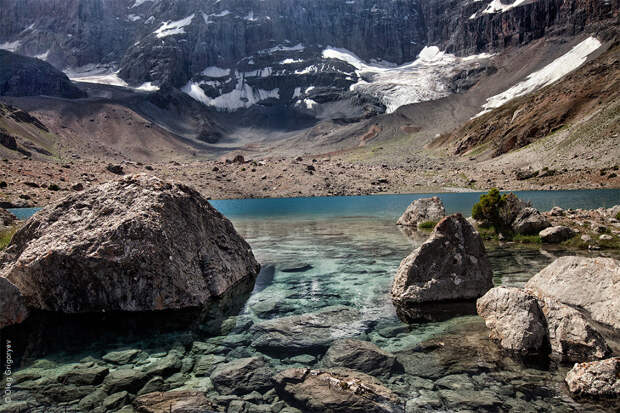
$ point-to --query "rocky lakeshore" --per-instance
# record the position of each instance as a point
(317, 330)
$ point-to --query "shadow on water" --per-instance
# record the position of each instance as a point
(47, 333)
(440, 311)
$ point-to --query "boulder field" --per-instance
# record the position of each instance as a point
(135, 244)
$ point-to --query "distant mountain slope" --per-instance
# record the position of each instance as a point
(26, 76)
(574, 99)
(22, 134)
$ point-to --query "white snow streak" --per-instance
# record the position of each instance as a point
(173, 28)
(547, 75)
(10, 46)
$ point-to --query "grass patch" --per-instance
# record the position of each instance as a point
(6, 236)
(427, 225)
(527, 239)
(618, 216)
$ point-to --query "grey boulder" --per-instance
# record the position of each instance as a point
(13, 308)
(589, 284)
(136, 244)
(555, 235)
(451, 265)
(514, 318)
(242, 376)
(530, 222)
(422, 210)
(359, 355)
(6, 219)
(595, 379)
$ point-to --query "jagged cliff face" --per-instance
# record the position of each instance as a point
(319, 56)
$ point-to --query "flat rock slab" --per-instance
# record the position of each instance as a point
(176, 401)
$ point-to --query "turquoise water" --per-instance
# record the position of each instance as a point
(317, 253)
(390, 206)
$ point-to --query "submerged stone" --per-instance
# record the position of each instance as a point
(180, 401)
(242, 376)
(361, 356)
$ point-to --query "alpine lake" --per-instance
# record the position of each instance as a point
(334, 257)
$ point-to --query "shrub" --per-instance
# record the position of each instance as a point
(427, 224)
(487, 209)
(53, 187)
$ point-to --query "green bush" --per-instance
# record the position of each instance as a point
(53, 187)
(488, 208)
(427, 224)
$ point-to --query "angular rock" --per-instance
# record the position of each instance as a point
(571, 336)
(451, 265)
(422, 210)
(164, 367)
(13, 308)
(179, 401)
(136, 244)
(6, 218)
(121, 357)
(335, 390)
(359, 355)
(115, 401)
(595, 379)
(589, 284)
(84, 375)
(307, 333)
(242, 376)
(124, 379)
(555, 235)
(514, 318)
(115, 169)
(530, 222)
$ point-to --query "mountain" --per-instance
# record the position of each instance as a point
(328, 59)
(26, 76)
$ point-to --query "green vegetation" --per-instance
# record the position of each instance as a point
(487, 209)
(6, 236)
(53, 187)
(427, 224)
(527, 239)
(618, 216)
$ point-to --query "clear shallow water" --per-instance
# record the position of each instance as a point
(321, 255)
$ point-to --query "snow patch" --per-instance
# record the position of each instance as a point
(173, 28)
(214, 71)
(496, 6)
(424, 79)
(243, 96)
(290, 61)
(148, 87)
(281, 48)
(10, 46)
(111, 79)
(43, 56)
(140, 2)
(133, 17)
(547, 75)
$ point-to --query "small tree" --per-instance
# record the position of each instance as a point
(487, 209)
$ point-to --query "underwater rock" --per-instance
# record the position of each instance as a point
(308, 333)
(422, 210)
(359, 355)
(514, 318)
(452, 265)
(242, 376)
(136, 244)
(595, 379)
(589, 284)
(6, 219)
(530, 222)
(335, 390)
(178, 401)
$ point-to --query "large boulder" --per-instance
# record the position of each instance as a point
(242, 376)
(136, 244)
(178, 401)
(529, 222)
(451, 265)
(589, 284)
(336, 391)
(555, 235)
(13, 308)
(422, 210)
(359, 355)
(595, 379)
(514, 318)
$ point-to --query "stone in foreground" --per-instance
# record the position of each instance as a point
(336, 391)
(359, 355)
(588, 284)
(13, 308)
(452, 265)
(6, 219)
(180, 401)
(422, 210)
(555, 235)
(529, 222)
(514, 318)
(595, 379)
(136, 244)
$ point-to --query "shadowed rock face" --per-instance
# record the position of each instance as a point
(137, 244)
(25, 76)
(451, 265)
(12, 304)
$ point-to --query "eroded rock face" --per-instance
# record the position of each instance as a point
(359, 355)
(530, 222)
(451, 265)
(514, 318)
(13, 308)
(336, 390)
(590, 284)
(555, 235)
(422, 210)
(595, 379)
(180, 401)
(136, 244)
(6, 218)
